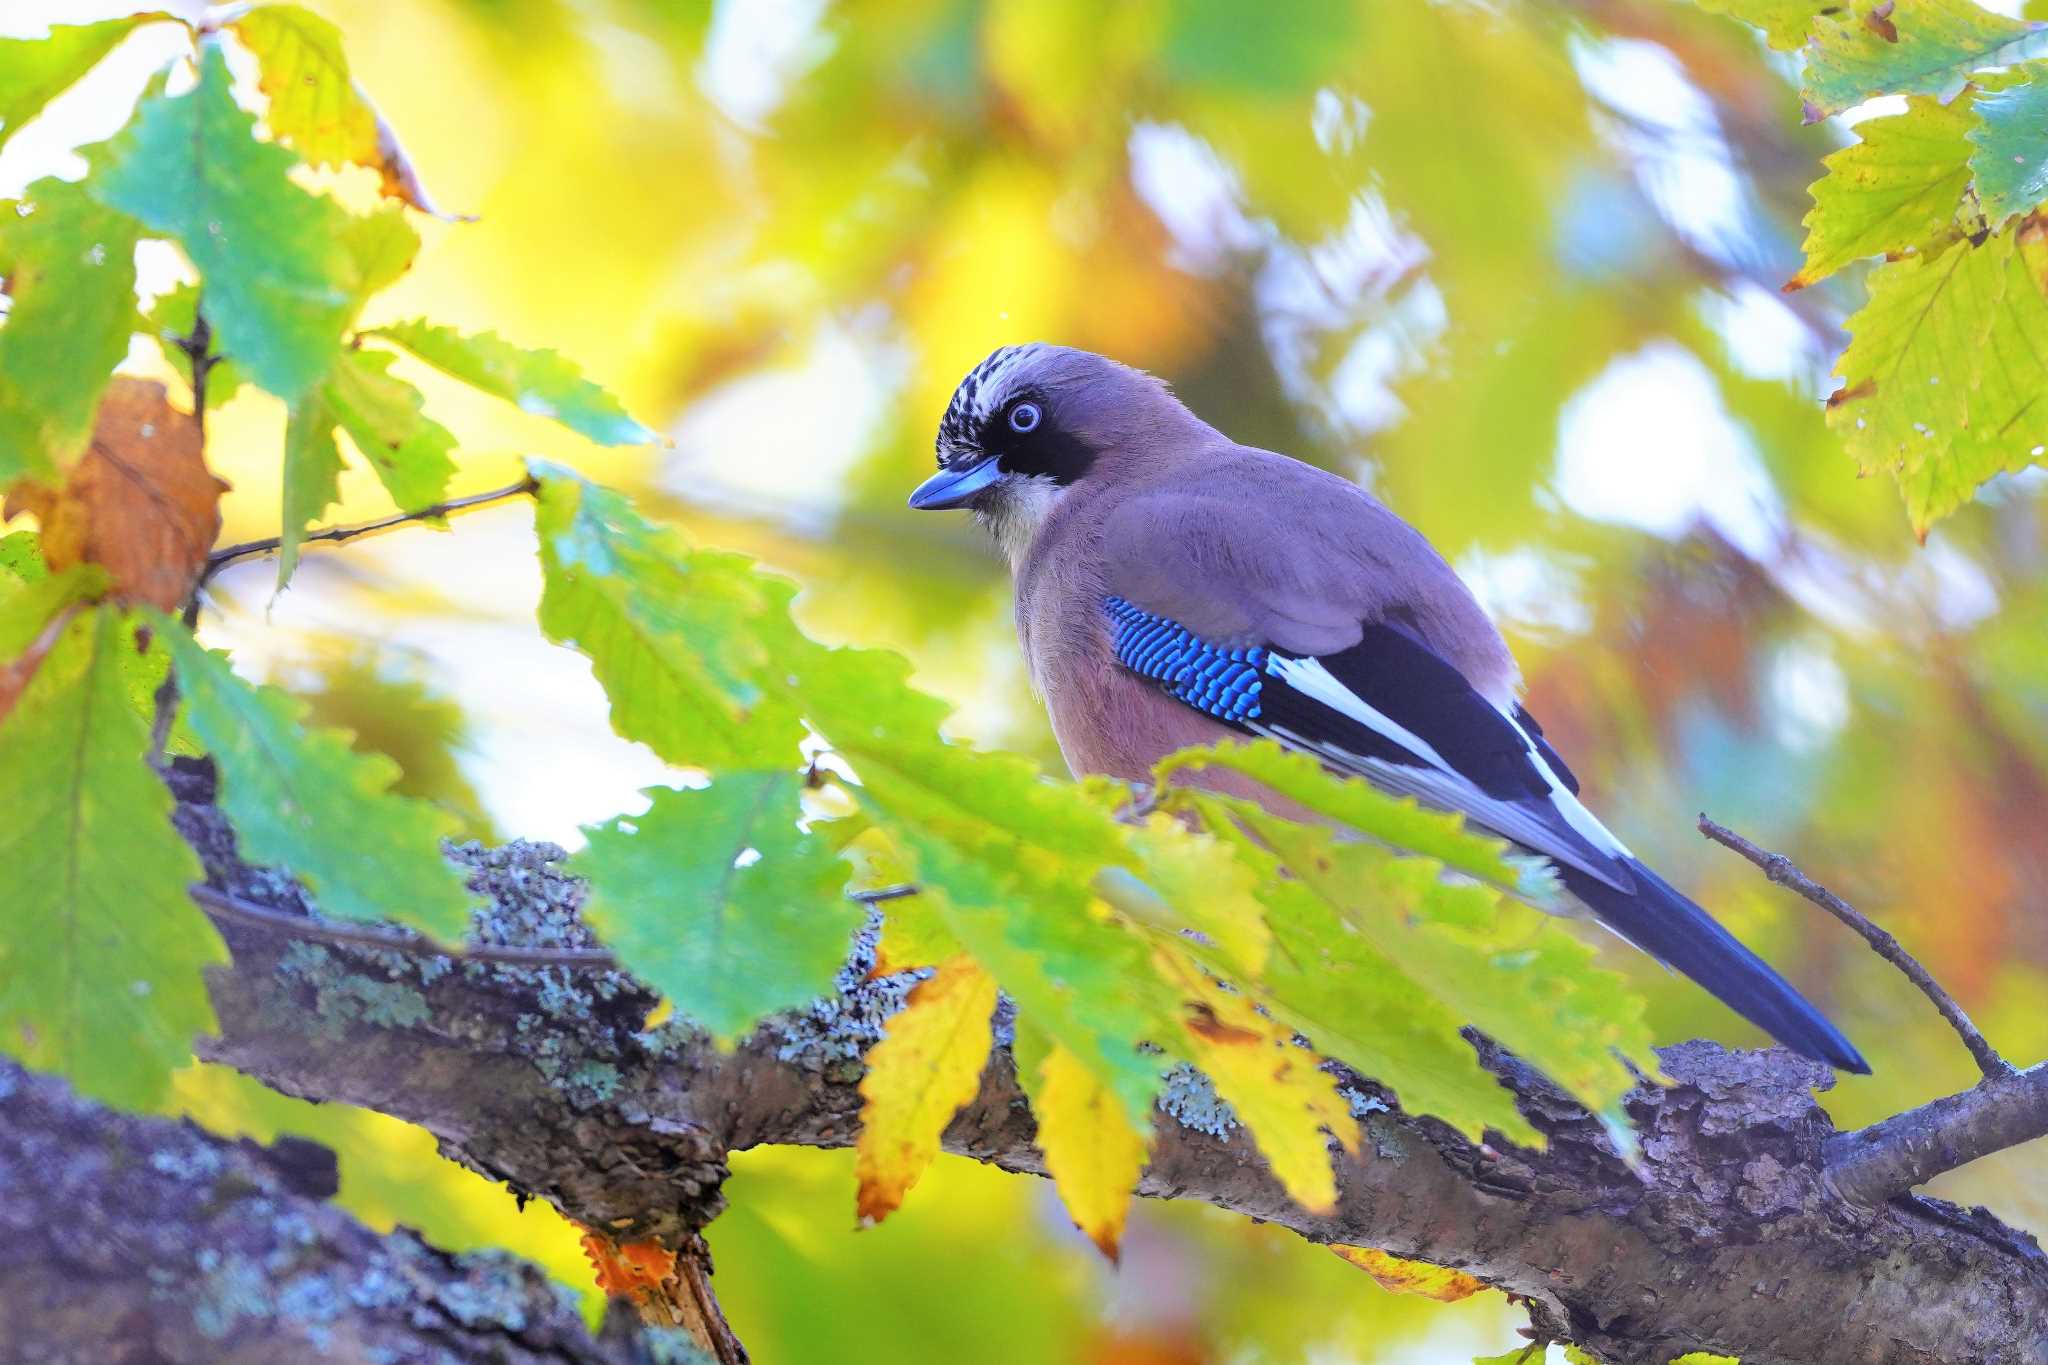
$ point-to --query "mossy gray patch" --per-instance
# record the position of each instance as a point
(1189, 1097)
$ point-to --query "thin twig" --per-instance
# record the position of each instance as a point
(1780, 869)
(198, 349)
(228, 554)
(227, 908)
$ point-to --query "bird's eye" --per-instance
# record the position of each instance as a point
(1024, 417)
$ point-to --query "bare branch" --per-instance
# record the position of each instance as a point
(1780, 869)
(1873, 1164)
(228, 554)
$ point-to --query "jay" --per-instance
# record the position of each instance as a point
(1174, 588)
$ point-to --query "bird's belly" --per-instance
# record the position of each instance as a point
(1112, 723)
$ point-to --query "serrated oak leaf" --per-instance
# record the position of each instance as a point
(100, 970)
(680, 638)
(141, 503)
(540, 382)
(273, 264)
(303, 799)
(927, 1065)
(384, 417)
(317, 108)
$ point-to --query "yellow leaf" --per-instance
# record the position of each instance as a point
(1277, 1088)
(1090, 1147)
(1400, 1276)
(927, 1065)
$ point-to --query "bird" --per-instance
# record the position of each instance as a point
(1173, 588)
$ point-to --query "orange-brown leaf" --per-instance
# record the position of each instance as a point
(140, 502)
(643, 1273)
(927, 1065)
(1402, 1276)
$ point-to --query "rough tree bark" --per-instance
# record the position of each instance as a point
(1725, 1235)
(133, 1239)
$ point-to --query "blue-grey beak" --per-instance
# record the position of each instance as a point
(952, 487)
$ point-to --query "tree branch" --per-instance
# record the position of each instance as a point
(1781, 869)
(228, 554)
(143, 1239)
(546, 1078)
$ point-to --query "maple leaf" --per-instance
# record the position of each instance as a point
(141, 502)
(927, 1065)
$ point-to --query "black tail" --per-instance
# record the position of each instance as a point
(1660, 920)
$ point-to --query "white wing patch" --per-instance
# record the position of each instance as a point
(1439, 784)
(1569, 806)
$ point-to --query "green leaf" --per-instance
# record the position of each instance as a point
(384, 417)
(1785, 22)
(34, 71)
(304, 800)
(25, 608)
(278, 279)
(1339, 987)
(539, 382)
(719, 901)
(1900, 47)
(1898, 190)
(171, 319)
(100, 965)
(312, 476)
(2010, 156)
(314, 106)
(1944, 370)
(1396, 820)
(21, 556)
(70, 269)
(1507, 970)
(382, 246)
(675, 635)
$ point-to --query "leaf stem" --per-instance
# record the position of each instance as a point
(1781, 869)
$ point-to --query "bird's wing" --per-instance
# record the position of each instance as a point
(1249, 547)
(1388, 709)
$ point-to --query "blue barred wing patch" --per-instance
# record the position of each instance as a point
(1225, 683)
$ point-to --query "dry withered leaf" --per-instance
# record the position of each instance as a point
(140, 502)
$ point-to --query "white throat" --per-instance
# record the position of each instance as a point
(1014, 511)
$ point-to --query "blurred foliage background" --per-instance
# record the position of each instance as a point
(1514, 266)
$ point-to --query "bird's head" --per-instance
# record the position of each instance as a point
(1031, 423)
